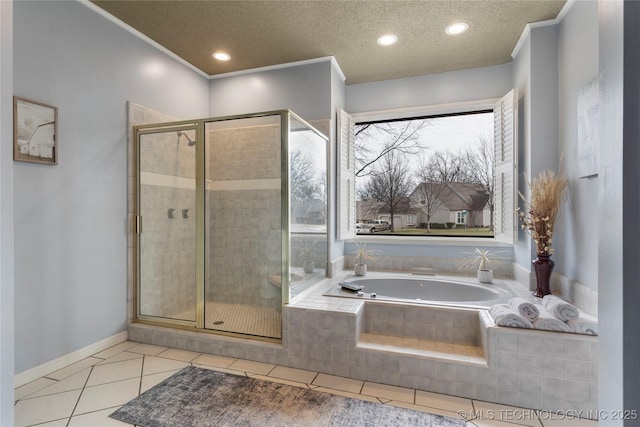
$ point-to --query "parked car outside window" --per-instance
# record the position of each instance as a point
(373, 226)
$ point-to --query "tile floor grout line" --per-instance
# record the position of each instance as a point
(271, 370)
(80, 396)
(141, 375)
(87, 413)
(26, 397)
(47, 422)
(314, 378)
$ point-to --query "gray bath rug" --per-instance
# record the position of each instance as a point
(196, 397)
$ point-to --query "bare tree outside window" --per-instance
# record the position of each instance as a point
(481, 168)
(305, 184)
(394, 137)
(429, 190)
(390, 182)
(448, 167)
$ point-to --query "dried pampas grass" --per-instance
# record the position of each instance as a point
(547, 194)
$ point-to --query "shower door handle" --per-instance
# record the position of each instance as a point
(138, 224)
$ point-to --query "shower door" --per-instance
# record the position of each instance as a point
(244, 232)
(222, 203)
(167, 232)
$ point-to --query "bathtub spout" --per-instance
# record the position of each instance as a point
(423, 271)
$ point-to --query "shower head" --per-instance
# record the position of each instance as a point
(191, 142)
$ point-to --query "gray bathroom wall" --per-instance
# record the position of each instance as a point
(536, 80)
(305, 89)
(432, 89)
(6, 215)
(618, 204)
(70, 219)
(576, 236)
(550, 68)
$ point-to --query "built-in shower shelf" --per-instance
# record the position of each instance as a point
(423, 348)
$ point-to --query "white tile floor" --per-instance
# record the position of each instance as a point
(85, 393)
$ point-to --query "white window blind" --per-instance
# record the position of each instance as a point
(346, 226)
(505, 189)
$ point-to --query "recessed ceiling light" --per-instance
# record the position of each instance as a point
(456, 28)
(387, 40)
(221, 56)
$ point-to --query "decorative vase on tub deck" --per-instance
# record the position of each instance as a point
(360, 269)
(485, 276)
(548, 192)
(362, 254)
(543, 266)
(481, 259)
(308, 266)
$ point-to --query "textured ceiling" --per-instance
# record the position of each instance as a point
(265, 33)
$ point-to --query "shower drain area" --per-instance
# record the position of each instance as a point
(240, 319)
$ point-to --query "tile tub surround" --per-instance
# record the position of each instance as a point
(532, 369)
(406, 263)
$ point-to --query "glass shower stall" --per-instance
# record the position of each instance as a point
(231, 221)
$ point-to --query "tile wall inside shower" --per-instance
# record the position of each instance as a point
(244, 219)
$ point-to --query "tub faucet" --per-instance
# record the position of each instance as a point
(423, 271)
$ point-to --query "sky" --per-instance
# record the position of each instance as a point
(450, 133)
(454, 133)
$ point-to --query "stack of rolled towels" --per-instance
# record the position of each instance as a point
(554, 314)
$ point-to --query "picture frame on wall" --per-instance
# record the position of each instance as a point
(35, 132)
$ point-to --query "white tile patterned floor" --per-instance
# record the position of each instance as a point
(86, 392)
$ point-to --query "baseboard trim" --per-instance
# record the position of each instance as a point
(46, 368)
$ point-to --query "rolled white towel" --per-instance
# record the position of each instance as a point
(548, 322)
(524, 307)
(560, 308)
(504, 316)
(584, 324)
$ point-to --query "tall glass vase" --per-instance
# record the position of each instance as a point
(543, 266)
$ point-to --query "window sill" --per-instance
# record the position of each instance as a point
(432, 241)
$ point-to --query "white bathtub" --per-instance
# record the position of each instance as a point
(428, 290)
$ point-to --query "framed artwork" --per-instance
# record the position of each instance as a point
(588, 116)
(35, 132)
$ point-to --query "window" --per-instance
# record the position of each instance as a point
(461, 216)
(450, 166)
